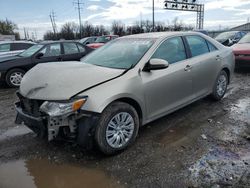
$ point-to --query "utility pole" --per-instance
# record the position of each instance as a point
(153, 7)
(25, 34)
(79, 8)
(52, 19)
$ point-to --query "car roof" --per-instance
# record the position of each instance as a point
(58, 41)
(159, 35)
(17, 41)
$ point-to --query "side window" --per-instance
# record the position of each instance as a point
(4, 47)
(20, 46)
(198, 45)
(238, 36)
(70, 48)
(211, 47)
(52, 50)
(81, 48)
(171, 50)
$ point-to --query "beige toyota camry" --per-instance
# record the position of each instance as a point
(127, 83)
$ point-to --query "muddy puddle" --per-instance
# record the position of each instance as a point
(241, 110)
(13, 132)
(220, 167)
(38, 173)
(179, 134)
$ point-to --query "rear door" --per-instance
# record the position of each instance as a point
(51, 53)
(205, 63)
(71, 52)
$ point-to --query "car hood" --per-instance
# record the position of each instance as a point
(62, 80)
(222, 40)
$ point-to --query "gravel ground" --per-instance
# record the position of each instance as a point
(206, 144)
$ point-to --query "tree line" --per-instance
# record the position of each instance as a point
(71, 31)
(7, 27)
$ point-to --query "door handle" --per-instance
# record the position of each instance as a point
(188, 68)
(218, 58)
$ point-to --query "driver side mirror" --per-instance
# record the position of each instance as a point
(39, 55)
(156, 64)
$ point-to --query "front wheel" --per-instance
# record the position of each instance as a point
(14, 77)
(220, 86)
(117, 128)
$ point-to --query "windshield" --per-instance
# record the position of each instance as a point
(245, 39)
(83, 40)
(119, 54)
(32, 50)
(226, 35)
(103, 39)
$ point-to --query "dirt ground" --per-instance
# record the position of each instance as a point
(206, 144)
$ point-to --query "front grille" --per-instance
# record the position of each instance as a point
(30, 106)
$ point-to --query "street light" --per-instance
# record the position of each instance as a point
(153, 15)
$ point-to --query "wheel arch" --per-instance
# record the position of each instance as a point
(134, 104)
(228, 73)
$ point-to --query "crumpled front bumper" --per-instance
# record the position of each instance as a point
(76, 128)
(36, 124)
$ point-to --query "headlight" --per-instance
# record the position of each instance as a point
(59, 109)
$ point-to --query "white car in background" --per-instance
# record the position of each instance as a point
(10, 48)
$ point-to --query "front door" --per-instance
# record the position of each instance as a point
(51, 53)
(167, 89)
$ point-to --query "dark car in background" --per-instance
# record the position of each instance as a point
(230, 37)
(88, 40)
(10, 48)
(242, 52)
(13, 68)
(100, 41)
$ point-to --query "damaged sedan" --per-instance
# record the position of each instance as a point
(121, 86)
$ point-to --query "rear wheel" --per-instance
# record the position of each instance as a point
(117, 128)
(220, 86)
(14, 77)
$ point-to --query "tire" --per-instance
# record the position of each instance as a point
(14, 76)
(220, 86)
(107, 124)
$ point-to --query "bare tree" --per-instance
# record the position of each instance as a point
(118, 28)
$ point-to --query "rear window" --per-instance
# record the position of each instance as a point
(211, 47)
(70, 48)
(20, 46)
(198, 45)
(4, 47)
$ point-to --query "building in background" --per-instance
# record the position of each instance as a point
(244, 27)
(7, 37)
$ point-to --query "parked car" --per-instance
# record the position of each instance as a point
(88, 40)
(127, 83)
(100, 41)
(231, 37)
(13, 68)
(10, 48)
(201, 31)
(242, 52)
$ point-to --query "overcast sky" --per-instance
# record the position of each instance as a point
(34, 14)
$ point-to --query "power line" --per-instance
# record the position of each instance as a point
(78, 5)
